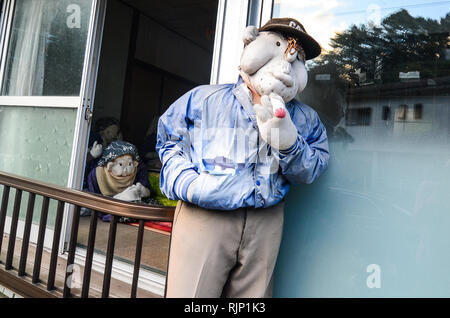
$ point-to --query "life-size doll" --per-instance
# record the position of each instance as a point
(230, 153)
(119, 174)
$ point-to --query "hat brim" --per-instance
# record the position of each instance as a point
(310, 46)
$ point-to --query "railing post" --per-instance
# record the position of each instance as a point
(3, 211)
(72, 248)
(26, 234)
(109, 256)
(89, 255)
(40, 241)
(137, 259)
(13, 230)
(55, 246)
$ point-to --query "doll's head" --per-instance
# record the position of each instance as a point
(120, 158)
(109, 130)
(274, 57)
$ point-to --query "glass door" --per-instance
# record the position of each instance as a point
(44, 74)
(376, 223)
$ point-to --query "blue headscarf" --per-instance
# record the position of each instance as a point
(117, 149)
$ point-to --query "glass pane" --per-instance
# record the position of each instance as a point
(36, 142)
(47, 48)
(376, 223)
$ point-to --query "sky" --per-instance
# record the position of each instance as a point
(323, 18)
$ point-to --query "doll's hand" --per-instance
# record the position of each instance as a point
(142, 191)
(96, 150)
(274, 122)
(204, 178)
(129, 194)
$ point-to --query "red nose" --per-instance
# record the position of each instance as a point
(280, 113)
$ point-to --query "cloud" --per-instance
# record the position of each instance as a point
(295, 4)
(316, 16)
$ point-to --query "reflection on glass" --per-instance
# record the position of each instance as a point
(381, 88)
(47, 47)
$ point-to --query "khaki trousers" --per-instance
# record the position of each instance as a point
(223, 253)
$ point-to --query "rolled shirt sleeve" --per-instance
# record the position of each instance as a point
(174, 148)
(307, 158)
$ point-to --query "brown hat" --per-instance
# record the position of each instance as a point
(291, 27)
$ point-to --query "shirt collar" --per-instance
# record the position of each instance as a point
(243, 95)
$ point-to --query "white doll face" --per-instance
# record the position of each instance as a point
(122, 166)
(270, 70)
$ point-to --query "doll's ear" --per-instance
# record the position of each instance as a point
(109, 166)
(250, 34)
(136, 163)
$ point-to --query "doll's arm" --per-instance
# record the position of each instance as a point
(308, 157)
(173, 146)
(96, 150)
(142, 180)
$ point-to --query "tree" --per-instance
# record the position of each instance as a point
(401, 43)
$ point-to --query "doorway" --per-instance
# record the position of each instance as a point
(152, 52)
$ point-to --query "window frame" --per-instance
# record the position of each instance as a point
(81, 103)
(35, 101)
(228, 43)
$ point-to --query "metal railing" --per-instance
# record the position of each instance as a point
(17, 278)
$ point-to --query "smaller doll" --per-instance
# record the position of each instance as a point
(106, 130)
(119, 174)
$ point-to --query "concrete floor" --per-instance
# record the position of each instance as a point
(119, 289)
(155, 250)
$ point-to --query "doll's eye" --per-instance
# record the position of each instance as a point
(278, 43)
(129, 163)
(120, 164)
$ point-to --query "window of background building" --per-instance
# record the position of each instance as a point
(402, 112)
(359, 116)
(386, 115)
(418, 110)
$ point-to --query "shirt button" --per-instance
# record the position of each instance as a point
(258, 183)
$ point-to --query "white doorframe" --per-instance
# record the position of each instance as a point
(231, 21)
(260, 11)
(266, 11)
(8, 10)
(233, 16)
(83, 121)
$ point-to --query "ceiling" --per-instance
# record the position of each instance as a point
(193, 19)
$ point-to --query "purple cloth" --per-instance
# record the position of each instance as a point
(141, 176)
